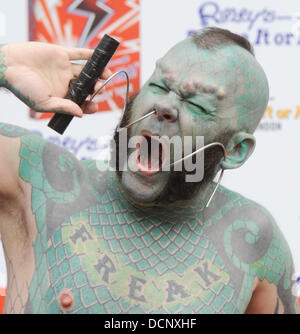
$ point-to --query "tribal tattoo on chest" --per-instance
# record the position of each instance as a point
(107, 256)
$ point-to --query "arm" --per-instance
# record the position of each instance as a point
(273, 291)
(39, 75)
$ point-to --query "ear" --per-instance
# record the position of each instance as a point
(239, 149)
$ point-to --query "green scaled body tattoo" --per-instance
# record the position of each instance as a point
(4, 83)
(142, 241)
(115, 258)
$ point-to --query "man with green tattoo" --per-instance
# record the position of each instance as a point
(82, 240)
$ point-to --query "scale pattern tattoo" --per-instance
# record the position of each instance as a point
(118, 259)
(4, 83)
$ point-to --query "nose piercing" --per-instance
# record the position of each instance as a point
(136, 121)
(153, 112)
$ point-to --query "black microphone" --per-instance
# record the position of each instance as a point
(81, 87)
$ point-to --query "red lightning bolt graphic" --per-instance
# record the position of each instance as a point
(97, 13)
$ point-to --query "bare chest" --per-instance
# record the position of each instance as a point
(113, 261)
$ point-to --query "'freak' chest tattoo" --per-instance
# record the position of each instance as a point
(96, 253)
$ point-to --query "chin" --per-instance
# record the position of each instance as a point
(144, 189)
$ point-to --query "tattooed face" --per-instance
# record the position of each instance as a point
(210, 93)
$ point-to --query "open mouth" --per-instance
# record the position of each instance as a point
(151, 155)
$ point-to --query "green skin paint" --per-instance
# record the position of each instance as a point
(209, 94)
(117, 257)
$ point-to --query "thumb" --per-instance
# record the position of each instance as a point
(60, 105)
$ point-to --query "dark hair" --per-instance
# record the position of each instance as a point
(212, 37)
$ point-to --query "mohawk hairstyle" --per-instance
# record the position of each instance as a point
(212, 37)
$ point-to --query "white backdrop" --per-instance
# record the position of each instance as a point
(270, 177)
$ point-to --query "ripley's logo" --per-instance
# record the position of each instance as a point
(253, 24)
(212, 14)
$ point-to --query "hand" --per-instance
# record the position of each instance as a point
(39, 75)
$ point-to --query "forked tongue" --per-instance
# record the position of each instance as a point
(149, 157)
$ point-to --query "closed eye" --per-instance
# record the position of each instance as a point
(162, 88)
(196, 105)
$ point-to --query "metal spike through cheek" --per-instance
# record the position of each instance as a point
(150, 114)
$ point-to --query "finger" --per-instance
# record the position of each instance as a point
(76, 69)
(79, 53)
(106, 74)
(62, 106)
(89, 107)
(98, 85)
